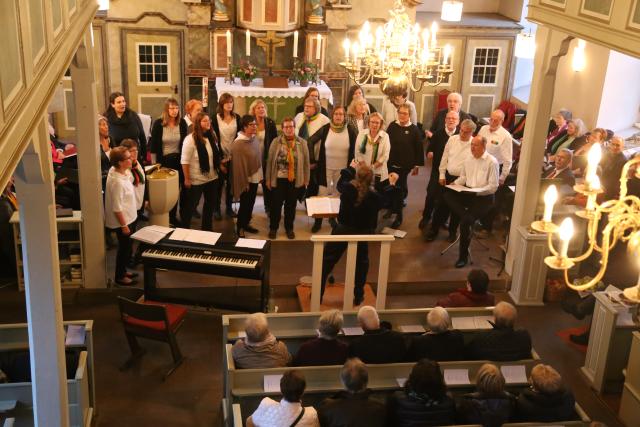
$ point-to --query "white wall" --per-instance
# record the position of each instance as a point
(620, 103)
(477, 6)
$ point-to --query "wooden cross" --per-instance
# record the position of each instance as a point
(269, 43)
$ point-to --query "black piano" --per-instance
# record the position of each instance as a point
(222, 259)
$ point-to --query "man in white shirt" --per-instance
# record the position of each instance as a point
(479, 174)
(456, 151)
(499, 145)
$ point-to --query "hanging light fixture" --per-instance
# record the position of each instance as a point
(103, 4)
(451, 11)
(525, 45)
(398, 54)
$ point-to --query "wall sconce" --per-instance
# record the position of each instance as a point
(451, 11)
(579, 60)
(525, 46)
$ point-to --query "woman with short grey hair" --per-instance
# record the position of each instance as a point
(490, 405)
(259, 349)
(440, 343)
(326, 349)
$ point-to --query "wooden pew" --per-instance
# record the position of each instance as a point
(80, 410)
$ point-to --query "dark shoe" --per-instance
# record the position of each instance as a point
(251, 229)
(125, 281)
(331, 279)
(131, 275)
(461, 262)
(197, 214)
(452, 237)
(217, 215)
(317, 225)
(431, 235)
(422, 223)
(358, 300)
(291, 235)
(445, 226)
(333, 222)
(582, 339)
(396, 223)
(240, 233)
(231, 213)
(387, 214)
(273, 234)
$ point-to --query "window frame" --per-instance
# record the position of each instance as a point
(153, 64)
(485, 66)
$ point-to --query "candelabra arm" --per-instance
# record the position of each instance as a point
(624, 176)
(550, 244)
(603, 264)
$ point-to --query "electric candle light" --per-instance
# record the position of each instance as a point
(355, 49)
(566, 232)
(447, 52)
(295, 44)
(591, 200)
(425, 39)
(434, 30)
(228, 44)
(346, 44)
(248, 43)
(593, 158)
(318, 44)
(550, 198)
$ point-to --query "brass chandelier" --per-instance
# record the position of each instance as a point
(623, 225)
(399, 54)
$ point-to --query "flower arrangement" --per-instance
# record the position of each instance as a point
(304, 72)
(246, 71)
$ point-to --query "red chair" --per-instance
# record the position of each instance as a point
(151, 320)
(440, 101)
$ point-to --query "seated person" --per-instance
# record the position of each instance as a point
(503, 342)
(547, 400)
(562, 168)
(423, 401)
(377, 345)
(440, 343)
(597, 136)
(259, 349)
(474, 295)
(326, 349)
(289, 411)
(490, 405)
(613, 160)
(557, 127)
(352, 407)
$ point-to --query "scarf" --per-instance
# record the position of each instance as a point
(304, 129)
(138, 177)
(363, 147)
(203, 155)
(336, 128)
(291, 173)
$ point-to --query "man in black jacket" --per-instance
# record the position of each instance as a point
(454, 103)
(377, 345)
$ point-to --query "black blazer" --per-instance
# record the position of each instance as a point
(438, 122)
(566, 176)
(270, 133)
(127, 126)
(319, 174)
(156, 137)
(216, 129)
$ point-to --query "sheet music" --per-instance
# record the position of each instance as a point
(411, 329)
(195, 236)
(514, 374)
(354, 330)
(394, 232)
(462, 323)
(322, 205)
(460, 188)
(150, 234)
(250, 243)
(75, 335)
(272, 383)
(456, 376)
(482, 322)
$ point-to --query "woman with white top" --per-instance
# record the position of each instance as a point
(266, 133)
(372, 148)
(357, 114)
(355, 92)
(200, 162)
(226, 126)
(120, 210)
(336, 142)
(138, 177)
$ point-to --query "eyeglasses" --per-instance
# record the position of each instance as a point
(288, 127)
(253, 124)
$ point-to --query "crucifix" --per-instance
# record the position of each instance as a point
(269, 43)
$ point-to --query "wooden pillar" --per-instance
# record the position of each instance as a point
(88, 143)
(38, 233)
(534, 139)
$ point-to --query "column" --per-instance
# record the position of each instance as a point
(34, 183)
(539, 113)
(88, 144)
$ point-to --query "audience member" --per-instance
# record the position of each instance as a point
(423, 401)
(503, 342)
(390, 106)
(440, 343)
(313, 93)
(562, 168)
(352, 407)
(490, 405)
(473, 295)
(377, 345)
(372, 148)
(266, 133)
(358, 115)
(573, 139)
(289, 411)
(325, 349)
(356, 92)
(454, 103)
(611, 166)
(125, 123)
(260, 349)
(557, 127)
(547, 400)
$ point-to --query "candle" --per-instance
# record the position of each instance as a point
(550, 198)
(346, 44)
(425, 39)
(593, 158)
(447, 52)
(295, 44)
(566, 232)
(434, 30)
(378, 38)
(355, 48)
(228, 44)
(318, 44)
(248, 40)
(591, 199)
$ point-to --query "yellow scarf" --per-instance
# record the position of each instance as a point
(291, 174)
(12, 199)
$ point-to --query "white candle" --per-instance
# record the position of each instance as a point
(593, 158)
(318, 45)
(447, 52)
(355, 48)
(434, 30)
(566, 232)
(550, 198)
(346, 45)
(378, 38)
(425, 39)
(295, 44)
(248, 40)
(591, 199)
(228, 44)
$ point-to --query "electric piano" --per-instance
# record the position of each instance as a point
(222, 259)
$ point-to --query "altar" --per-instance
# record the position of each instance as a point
(281, 102)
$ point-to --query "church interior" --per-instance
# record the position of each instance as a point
(520, 85)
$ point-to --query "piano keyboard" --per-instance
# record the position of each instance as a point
(200, 258)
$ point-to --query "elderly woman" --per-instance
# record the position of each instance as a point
(547, 400)
(125, 123)
(226, 126)
(558, 127)
(311, 119)
(266, 133)
(120, 210)
(357, 114)
(314, 93)
(573, 139)
(423, 401)
(490, 405)
(356, 92)
(373, 148)
(260, 349)
(326, 349)
(286, 176)
(440, 343)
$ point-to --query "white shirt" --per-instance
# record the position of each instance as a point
(383, 152)
(228, 133)
(282, 414)
(390, 112)
(119, 197)
(336, 149)
(190, 157)
(499, 145)
(481, 173)
(455, 153)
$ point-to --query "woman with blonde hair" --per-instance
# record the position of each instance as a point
(357, 114)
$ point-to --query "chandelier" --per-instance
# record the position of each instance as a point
(399, 54)
(622, 225)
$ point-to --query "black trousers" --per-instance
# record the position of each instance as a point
(333, 252)
(442, 210)
(225, 183)
(469, 208)
(403, 175)
(266, 195)
(284, 193)
(210, 191)
(434, 194)
(247, 200)
(172, 161)
(125, 247)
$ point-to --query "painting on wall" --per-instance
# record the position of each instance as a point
(600, 9)
(561, 4)
(634, 15)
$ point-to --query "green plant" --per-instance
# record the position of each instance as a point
(245, 71)
(304, 71)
